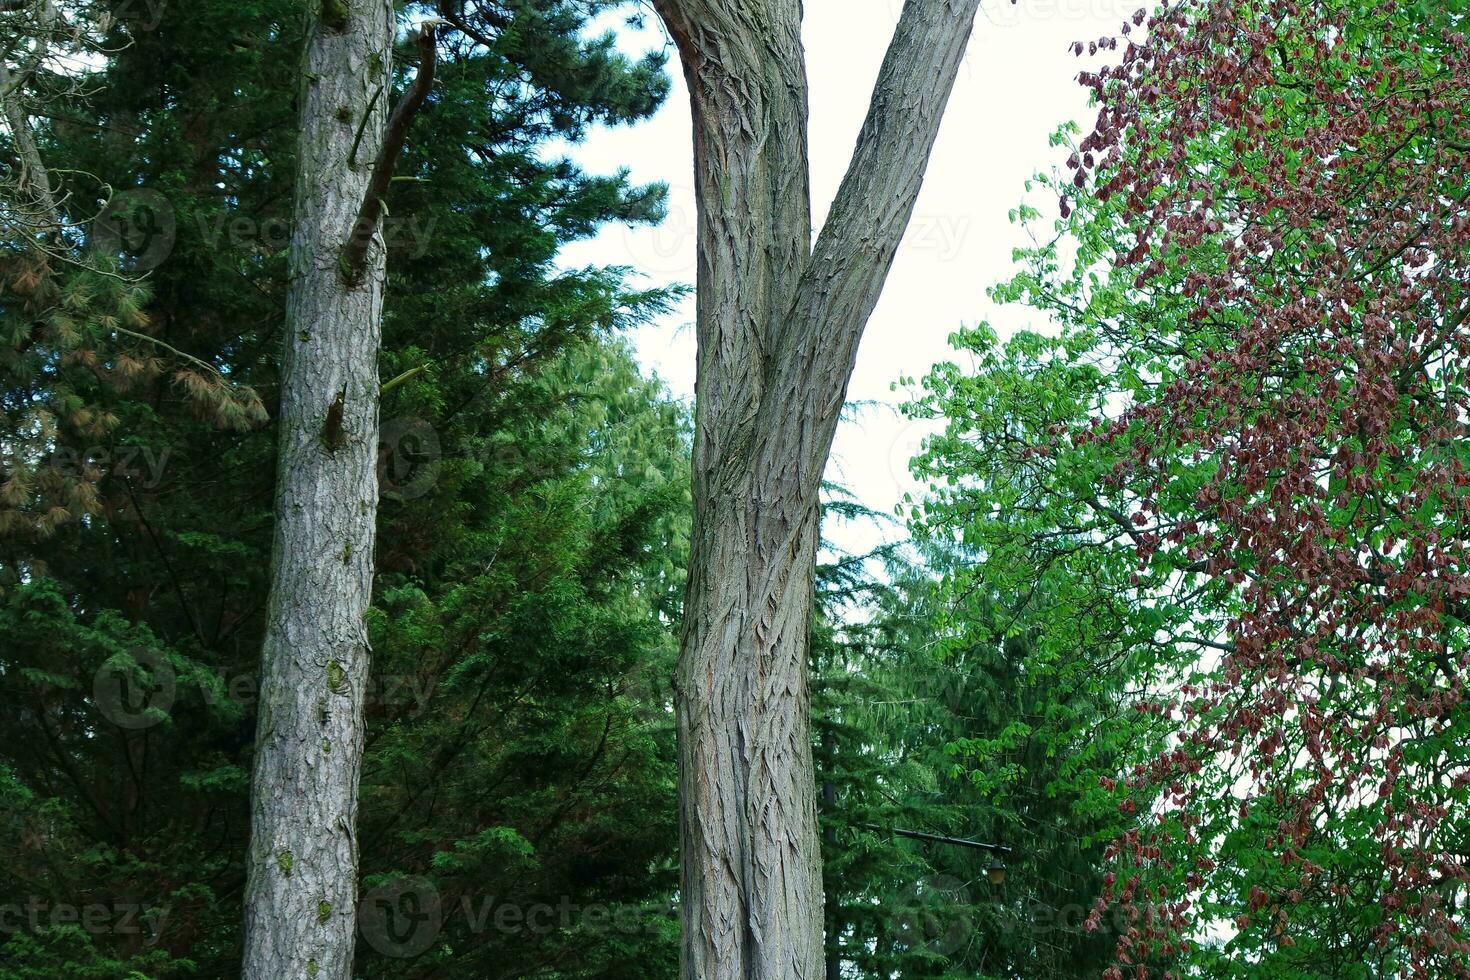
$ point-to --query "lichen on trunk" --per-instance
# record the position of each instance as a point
(301, 894)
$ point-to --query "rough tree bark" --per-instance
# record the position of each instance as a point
(36, 206)
(34, 209)
(301, 893)
(779, 319)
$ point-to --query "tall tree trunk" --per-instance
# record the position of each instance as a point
(779, 321)
(301, 895)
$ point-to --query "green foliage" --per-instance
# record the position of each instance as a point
(532, 537)
(1047, 523)
(946, 714)
(518, 784)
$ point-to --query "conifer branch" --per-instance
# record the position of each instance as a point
(171, 349)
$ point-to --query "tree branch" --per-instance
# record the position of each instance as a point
(405, 376)
(354, 252)
(878, 193)
(213, 371)
(457, 21)
(747, 82)
(33, 179)
(869, 216)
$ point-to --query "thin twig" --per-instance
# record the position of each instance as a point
(171, 349)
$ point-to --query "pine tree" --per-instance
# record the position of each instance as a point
(529, 528)
(945, 713)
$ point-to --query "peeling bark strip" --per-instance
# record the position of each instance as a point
(779, 322)
(309, 733)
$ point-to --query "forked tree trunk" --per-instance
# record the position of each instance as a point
(301, 894)
(779, 321)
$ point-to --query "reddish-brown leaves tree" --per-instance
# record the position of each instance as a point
(1298, 172)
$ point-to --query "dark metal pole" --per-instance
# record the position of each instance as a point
(938, 839)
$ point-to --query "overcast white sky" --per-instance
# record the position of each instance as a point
(1018, 83)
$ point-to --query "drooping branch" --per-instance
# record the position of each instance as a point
(354, 252)
(453, 14)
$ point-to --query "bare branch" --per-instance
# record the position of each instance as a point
(354, 253)
(456, 20)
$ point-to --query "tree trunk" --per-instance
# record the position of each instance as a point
(35, 211)
(301, 894)
(38, 213)
(778, 325)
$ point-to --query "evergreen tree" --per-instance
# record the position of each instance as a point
(529, 542)
(941, 715)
